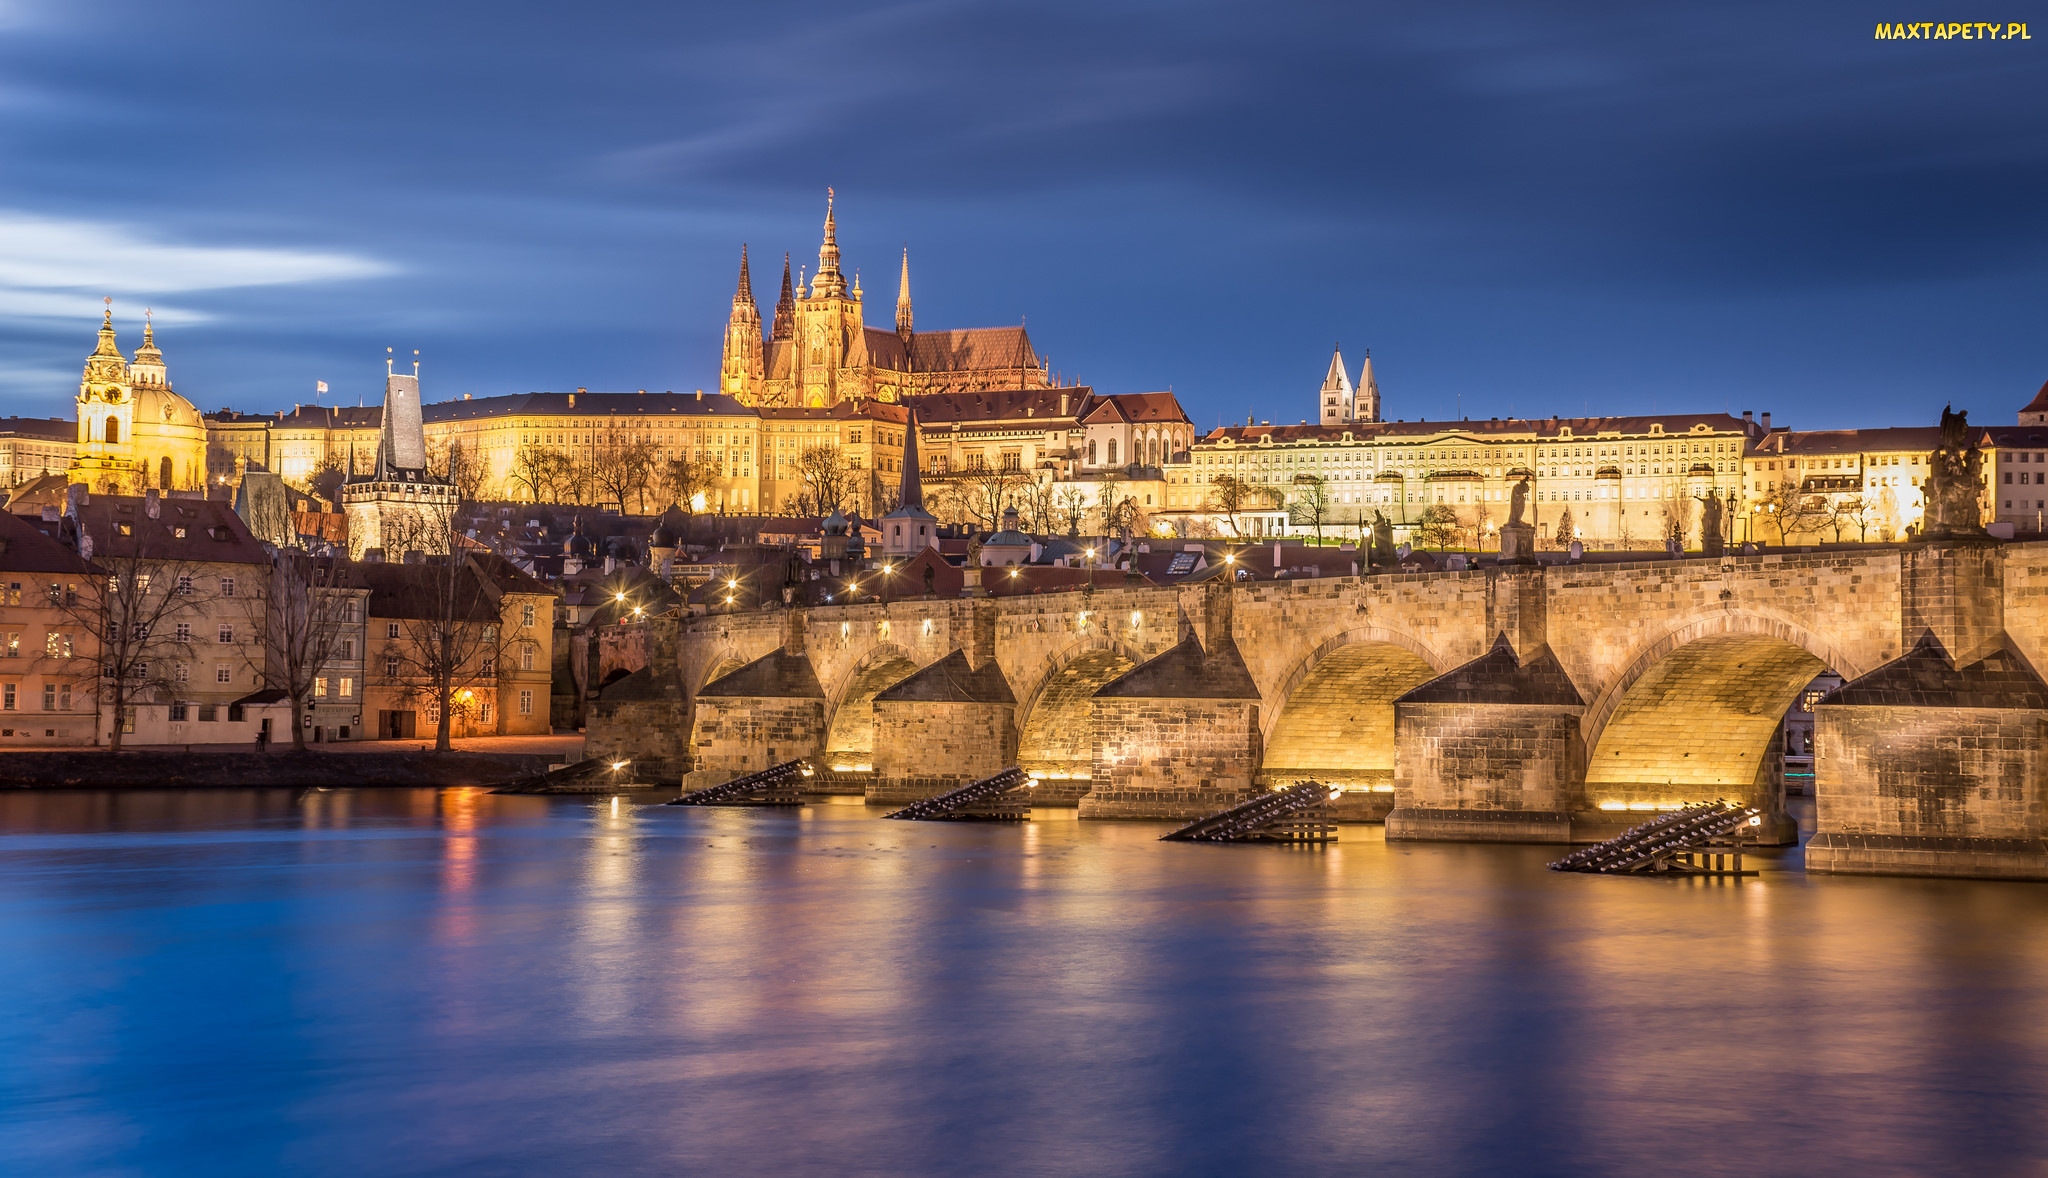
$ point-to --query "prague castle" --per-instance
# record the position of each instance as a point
(820, 351)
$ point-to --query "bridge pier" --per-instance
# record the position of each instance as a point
(1927, 767)
(770, 711)
(1490, 752)
(945, 726)
(1177, 737)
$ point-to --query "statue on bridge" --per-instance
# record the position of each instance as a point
(1954, 488)
(1710, 525)
(1382, 540)
(1518, 536)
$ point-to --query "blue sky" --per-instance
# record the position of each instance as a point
(1521, 209)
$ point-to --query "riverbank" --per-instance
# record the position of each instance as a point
(153, 770)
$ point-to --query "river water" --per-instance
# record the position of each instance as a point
(448, 982)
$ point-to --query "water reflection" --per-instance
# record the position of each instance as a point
(415, 981)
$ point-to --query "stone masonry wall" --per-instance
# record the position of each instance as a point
(1929, 772)
(1171, 758)
(1520, 757)
(927, 747)
(740, 734)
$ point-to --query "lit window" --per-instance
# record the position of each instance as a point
(320, 687)
(526, 703)
(348, 687)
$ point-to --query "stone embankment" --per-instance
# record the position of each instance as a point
(251, 770)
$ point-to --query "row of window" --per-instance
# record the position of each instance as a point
(56, 697)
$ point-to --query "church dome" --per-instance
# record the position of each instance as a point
(157, 407)
(578, 544)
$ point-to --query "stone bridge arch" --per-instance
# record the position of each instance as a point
(1697, 712)
(1055, 735)
(1332, 717)
(850, 714)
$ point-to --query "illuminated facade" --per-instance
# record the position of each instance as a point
(819, 350)
(134, 432)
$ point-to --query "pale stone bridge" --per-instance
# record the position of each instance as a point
(1552, 703)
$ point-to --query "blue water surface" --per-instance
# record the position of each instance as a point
(449, 982)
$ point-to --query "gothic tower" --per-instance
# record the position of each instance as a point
(785, 307)
(829, 327)
(742, 369)
(903, 319)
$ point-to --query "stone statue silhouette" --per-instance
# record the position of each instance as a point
(1953, 487)
(1382, 539)
(1519, 502)
(1710, 524)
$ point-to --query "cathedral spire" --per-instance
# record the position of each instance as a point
(903, 299)
(912, 492)
(828, 280)
(746, 291)
(785, 307)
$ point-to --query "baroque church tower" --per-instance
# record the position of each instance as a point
(134, 432)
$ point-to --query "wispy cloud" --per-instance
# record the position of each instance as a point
(52, 268)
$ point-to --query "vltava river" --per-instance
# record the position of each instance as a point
(443, 982)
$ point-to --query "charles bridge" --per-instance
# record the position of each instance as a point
(1550, 703)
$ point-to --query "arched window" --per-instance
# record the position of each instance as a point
(1091, 451)
(113, 432)
(1112, 451)
(164, 477)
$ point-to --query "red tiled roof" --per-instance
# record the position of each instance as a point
(1000, 405)
(1138, 408)
(25, 549)
(2040, 402)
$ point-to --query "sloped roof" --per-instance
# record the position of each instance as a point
(777, 674)
(1187, 672)
(951, 680)
(416, 591)
(1925, 677)
(25, 549)
(1498, 677)
(622, 405)
(47, 429)
(1481, 432)
(2040, 402)
(213, 532)
(938, 409)
(1138, 408)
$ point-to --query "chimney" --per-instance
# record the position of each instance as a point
(700, 394)
(1746, 419)
(152, 506)
(75, 497)
(1767, 421)
(572, 399)
(1276, 554)
(1063, 404)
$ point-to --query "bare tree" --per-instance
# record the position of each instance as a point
(461, 463)
(540, 469)
(137, 610)
(621, 464)
(1311, 503)
(1231, 495)
(1438, 527)
(1886, 512)
(1791, 510)
(828, 480)
(449, 627)
(1848, 511)
(310, 615)
(1070, 507)
(989, 489)
(684, 479)
(1035, 502)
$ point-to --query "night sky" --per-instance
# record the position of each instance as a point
(1520, 209)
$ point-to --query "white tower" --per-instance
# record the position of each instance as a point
(1368, 396)
(1339, 402)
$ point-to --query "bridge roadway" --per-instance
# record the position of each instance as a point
(1556, 703)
